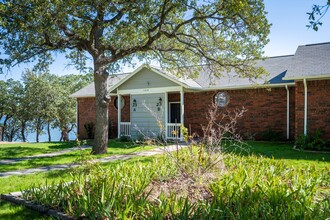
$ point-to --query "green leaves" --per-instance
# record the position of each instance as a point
(315, 17)
(176, 33)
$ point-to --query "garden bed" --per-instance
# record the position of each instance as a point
(248, 185)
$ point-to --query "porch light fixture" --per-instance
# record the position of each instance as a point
(221, 99)
(116, 102)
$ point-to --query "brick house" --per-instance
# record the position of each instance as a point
(294, 100)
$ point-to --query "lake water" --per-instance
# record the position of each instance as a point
(55, 135)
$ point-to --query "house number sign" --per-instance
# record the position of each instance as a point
(159, 103)
(134, 105)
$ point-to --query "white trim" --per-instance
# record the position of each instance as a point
(182, 111)
(287, 112)
(150, 90)
(77, 115)
(119, 114)
(115, 86)
(305, 109)
(257, 86)
(166, 113)
(88, 96)
(325, 76)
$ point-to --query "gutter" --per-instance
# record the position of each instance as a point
(257, 86)
(305, 107)
(287, 113)
(316, 77)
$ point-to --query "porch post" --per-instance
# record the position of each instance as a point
(182, 111)
(119, 113)
(166, 114)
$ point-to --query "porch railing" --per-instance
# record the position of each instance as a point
(125, 129)
(173, 131)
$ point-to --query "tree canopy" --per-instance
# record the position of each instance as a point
(39, 100)
(224, 35)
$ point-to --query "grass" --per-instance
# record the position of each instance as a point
(115, 147)
(17, 150)
(285, 152)
(17, 183)
(257, 178)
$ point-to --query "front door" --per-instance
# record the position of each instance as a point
(175, 116)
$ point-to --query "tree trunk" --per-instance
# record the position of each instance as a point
(37, 130)
(23, 125)
(4, 128)
(64, 133)
(37, 135)
(102, 100)
(48, 131)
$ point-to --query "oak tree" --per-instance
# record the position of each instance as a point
(220, 34)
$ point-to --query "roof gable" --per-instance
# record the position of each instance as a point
(147, 77)
(310, 61)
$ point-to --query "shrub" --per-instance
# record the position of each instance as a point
(110, 129)
(124, 138)
(89, 126)
(312, 141)
(270, 135)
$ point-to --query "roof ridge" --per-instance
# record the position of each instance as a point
(289, 55)
(307, 45)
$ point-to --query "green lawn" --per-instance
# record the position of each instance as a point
(17, 150)
(285, 152)
(115, 147)
(281, 154)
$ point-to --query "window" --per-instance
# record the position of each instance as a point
(221, 99)
(116, 102)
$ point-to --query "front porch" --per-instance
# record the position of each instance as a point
(165, 117)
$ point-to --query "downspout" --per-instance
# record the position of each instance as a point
(287, 112)
(305, 109)
(77, 121)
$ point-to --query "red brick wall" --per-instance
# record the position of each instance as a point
(173, 97)
(318, 110)
(265, 109)
(86, 113)
(299, 107)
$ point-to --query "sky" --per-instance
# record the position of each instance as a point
(288, 31)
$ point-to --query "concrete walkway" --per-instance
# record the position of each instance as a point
(57, 153)
(147, 153)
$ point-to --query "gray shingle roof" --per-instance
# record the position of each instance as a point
(275, 66)
(89, 90)
(310, 61)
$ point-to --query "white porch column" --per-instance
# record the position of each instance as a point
(119, 113)
(166, 114)
(182, 111)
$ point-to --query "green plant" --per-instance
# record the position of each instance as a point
(124, 138)
(250, 187)
(312, 141)
(270, 135)
(89, 126)
(110, 129)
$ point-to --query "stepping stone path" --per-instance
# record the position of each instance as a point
(147, 153)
